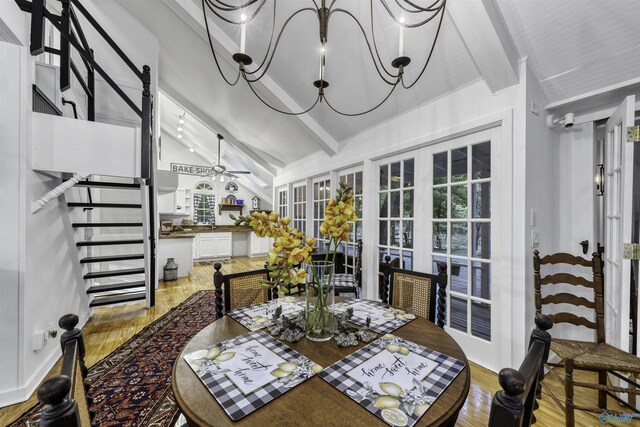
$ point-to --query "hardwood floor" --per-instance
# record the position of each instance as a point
(110, 327)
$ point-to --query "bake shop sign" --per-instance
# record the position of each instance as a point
(185, 169)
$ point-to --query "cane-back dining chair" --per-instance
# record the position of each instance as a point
(595, 356)
(417, 292)
(514, 405)
(240, 289)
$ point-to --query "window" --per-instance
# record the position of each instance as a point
(462, 233)
(321, 195)
(282, 202)
(204, 203)
(395, 219)
(354, 180)
(300, 207)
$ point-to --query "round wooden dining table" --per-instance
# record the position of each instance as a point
(314, 402)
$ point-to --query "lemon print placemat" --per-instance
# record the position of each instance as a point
(393, 378)
(249, 371)
(383, 319)
(260, 316)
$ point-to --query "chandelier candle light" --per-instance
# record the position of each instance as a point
(292, 250)
(407, 14)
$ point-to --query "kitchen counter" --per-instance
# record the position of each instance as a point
(195, 229)
(177, 236)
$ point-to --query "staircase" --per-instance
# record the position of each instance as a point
(112, 242)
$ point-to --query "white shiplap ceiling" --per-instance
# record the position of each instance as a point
(575, 46)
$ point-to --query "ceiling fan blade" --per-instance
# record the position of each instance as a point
(244, 172)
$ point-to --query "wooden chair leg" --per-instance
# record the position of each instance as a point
(568, 391)
(602, 394)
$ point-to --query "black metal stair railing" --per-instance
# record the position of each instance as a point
(72, 36)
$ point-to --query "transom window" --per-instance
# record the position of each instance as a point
(204, 203)
(461, 224)
(395, 219)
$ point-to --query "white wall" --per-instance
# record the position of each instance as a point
(537, 156)
(175, 152)
(44, 279)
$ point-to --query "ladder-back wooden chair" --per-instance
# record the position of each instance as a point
(417, 292)
(65, 396)
(595, 356)
(514, 405)
(240, 289)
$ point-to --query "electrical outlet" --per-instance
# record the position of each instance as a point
(38, 340)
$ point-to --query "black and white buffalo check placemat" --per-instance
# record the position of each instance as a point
(395, 379)
(383, 319)
(259, 316)
(249, 371)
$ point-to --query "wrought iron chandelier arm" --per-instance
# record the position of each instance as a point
(433, 45)
(375, 46)
(373, 58)
(215, 9)
(289, 113)
(273, 28)
(362, 112)
(275, 47)
(435, 13)
(213, 52)
(226, 6)
(417, 9)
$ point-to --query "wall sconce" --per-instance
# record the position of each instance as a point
(600, 180)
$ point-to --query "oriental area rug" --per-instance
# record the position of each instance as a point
(132, 386)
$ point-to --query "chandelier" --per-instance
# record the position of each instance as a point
(406, 14)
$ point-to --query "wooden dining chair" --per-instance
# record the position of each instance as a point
(350, 283)
(594, 356)
(417, 292)
(514, 405)
(240, 289)
(65, 397)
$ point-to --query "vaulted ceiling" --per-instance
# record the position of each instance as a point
(573, 48)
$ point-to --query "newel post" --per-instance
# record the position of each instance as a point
(68, 322)
(59, 411)
(507, 409)
(543, 323)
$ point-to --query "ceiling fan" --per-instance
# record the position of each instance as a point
(220, 172)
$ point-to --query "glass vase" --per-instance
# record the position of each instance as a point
(318, 314)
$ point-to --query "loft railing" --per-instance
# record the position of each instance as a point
(72, 35)
(68, 26)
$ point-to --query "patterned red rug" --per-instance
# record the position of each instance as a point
(132, 385)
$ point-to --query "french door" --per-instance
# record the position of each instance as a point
(618, 218)
(448, 203)
(465, 205)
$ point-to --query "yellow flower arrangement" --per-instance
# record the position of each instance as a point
(292, 248)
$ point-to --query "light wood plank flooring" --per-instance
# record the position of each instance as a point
(110, 327)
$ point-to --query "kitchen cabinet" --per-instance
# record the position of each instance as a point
(223, 244)
(259, 246)
(206, 245)
(212, 245)
(175, 202)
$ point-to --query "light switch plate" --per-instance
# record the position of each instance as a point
(534, 217)
(535, 239)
